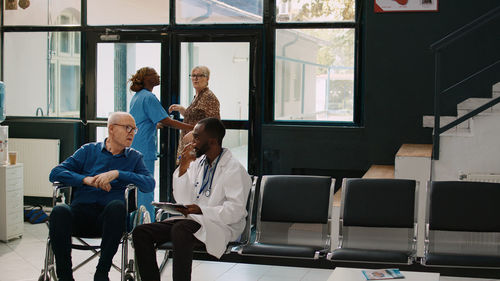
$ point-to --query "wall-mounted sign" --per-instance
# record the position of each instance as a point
(384, 6)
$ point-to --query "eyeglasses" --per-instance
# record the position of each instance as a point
(197, 76)
(129, 128)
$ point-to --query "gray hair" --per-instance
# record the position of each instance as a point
(116, 117)
(203, 69)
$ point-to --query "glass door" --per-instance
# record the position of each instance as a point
(229, 65)
(231, 61)
(116, 62)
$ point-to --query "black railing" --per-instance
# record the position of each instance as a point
(436, 48)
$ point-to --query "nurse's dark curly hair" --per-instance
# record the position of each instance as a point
(138, 78)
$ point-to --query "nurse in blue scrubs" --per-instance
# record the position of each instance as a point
(149, 115)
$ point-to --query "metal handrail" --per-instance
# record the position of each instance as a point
(466, 29)
(436, 48)
(469, 115)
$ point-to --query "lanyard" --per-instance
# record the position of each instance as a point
(208, 183)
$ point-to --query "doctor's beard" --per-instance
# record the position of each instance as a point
(202, 150)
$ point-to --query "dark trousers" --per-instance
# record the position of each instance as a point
(86, 220)
(180, 233)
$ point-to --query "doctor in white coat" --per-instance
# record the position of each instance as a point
(214, 186)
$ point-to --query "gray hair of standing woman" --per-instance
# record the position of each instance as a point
(203, 69)
(138, 78)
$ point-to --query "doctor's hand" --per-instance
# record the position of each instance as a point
(188, 155)
(190, 209)
(188, 138)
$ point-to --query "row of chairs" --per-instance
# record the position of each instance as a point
(378, 221)
(292, 218)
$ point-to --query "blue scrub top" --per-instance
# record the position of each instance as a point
(147, 111)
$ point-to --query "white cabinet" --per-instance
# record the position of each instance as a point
(11, 201)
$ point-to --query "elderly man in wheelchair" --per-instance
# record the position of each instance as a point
(99, 173)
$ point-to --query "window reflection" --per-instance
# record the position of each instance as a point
(314, 10)
(218, 11)
(314, 77)
(44, 13)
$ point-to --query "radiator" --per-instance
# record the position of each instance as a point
(480, 177)
(38, 156)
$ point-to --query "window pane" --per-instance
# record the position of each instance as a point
(314, 77)
(129, 12)
(221, 11)
(44, 13)
(229, 75)
(314, 10)
(237, 142)
(116, 63)
(64, 42)
(70, 84)
(36, 85)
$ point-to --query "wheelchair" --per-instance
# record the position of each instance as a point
(64, 193)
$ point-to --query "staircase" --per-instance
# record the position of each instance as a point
(470, 147)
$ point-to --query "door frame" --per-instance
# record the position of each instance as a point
(255, 99)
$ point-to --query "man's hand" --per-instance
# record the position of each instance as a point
(187, 156)
(103, 180)
(190, 209)
(89, 181)
(159, 125)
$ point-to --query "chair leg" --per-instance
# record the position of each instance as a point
(164, 262)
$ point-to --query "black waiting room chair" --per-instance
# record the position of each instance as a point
(463, 225)
(378, 222)
(168, 247)
(293, 217)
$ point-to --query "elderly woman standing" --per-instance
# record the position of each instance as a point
(205, 104)
(148, 113)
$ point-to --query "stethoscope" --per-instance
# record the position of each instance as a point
(208, 184)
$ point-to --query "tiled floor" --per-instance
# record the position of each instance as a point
(22, 259)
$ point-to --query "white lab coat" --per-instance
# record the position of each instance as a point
(224, 211)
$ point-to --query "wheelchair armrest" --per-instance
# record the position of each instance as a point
(130, 188)
(59, 185)
(58, 188)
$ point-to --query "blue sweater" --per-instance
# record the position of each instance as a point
(93, 159)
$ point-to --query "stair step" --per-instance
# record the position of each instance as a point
(415, 150)
(496, 87)
(428, 122)
(380, 172)
(472, 103)
(462, 132)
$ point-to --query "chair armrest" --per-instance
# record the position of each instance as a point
(58, 188)
(130, 188)
(247, 233)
